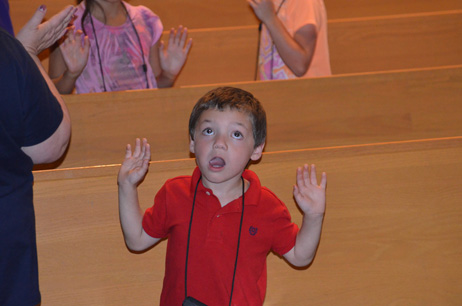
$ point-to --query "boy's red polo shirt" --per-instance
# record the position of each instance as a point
(267, 226)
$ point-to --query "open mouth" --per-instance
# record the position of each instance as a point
(217, 162)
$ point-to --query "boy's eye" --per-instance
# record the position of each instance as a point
(207, 131)
(237, 135)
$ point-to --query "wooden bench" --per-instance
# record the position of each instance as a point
(391, 235)
(303, 113)
(360, 45)
(210, 14)
(222, 55)
(345, 9)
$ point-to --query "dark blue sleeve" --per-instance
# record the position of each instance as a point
(5, 20)
(28, 110)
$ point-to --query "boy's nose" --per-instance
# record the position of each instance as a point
(220, 143)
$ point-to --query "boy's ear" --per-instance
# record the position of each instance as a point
(191, 145)
(257, 152)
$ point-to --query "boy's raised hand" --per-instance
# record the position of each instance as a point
(136, 164)
(310, 197)
(173, 57)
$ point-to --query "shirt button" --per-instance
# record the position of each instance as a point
(207, 193)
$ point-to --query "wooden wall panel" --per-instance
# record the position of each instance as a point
(355, 46)
(230, 13)
(301, 114)
(391, 235)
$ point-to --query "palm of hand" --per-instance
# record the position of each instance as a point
(135, 165)
(310, 197)
(74, 54)
(133, 169)
(174, 56)
(172, 59)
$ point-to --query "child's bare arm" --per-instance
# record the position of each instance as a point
(131, 173)
(311, 198)
(296, 51)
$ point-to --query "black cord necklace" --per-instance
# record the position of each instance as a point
(238, 241)
(145, 68)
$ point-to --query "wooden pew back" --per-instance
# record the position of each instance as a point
(391, 235)
(207, 14)
(301, 114)
(355, 46)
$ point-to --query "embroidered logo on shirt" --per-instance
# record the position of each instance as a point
(253, 230)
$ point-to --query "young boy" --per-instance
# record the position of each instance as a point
(220, 222)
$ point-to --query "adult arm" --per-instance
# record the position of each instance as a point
(297, 51)
(311, 198)
(131, 173)
(36, 36)
(54, 146)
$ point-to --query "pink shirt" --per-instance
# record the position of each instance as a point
(119, 51)
(295, 14)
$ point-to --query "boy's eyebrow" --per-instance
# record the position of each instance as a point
(236, 122)
(240, 124)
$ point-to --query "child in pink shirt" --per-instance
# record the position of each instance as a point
(115, 46)
(293, 39)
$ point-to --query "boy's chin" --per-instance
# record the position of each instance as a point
(219, 176)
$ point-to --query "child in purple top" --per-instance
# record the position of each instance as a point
(115, 46)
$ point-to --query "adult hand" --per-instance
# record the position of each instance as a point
(36, 36)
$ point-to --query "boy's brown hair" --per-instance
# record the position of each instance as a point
(223, 98)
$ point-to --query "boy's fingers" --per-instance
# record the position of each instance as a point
(128, 151)
(137, 151)
(324, 180)
(147, 156)
(314, 181)
(146, 148)
(299, 176)
(306, 175)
